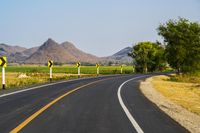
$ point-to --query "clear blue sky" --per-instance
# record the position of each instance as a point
(100, 27)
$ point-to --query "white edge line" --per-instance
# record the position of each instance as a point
(32, 88)
(50, 84)
(128, 114)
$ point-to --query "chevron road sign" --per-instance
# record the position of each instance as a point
(78, 65)
(3, 61)
(97, 65)
(3, 64)
(50, 63)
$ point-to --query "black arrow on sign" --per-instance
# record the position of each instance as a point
(50, 62)
(3, 62)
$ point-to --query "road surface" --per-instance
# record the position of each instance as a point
(94, 105)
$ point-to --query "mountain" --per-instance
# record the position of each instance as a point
(78, 54)
(65, 52)
(10, 51)
(121, 56)
(60, 53)
(30, 51)
(20, 57)
(50, 50)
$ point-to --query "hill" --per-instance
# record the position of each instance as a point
(60, 53)
(10, 51)
(65, 52)
(121, 56)
(78, 54)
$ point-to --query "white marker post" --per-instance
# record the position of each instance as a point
(97, 71)
(121, 69)
(50, 74)
(97, 66)
(79, 72)
(50, 65)
(3, 78)
(78, 65)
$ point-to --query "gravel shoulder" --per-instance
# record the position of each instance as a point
(187, 119)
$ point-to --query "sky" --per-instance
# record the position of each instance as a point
(99, 27)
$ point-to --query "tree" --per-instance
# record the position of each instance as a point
(148, 56)
(182, 39)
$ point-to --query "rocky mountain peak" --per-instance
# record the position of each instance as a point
(49, 44)
(68, 45)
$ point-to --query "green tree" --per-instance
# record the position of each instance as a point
(182, 39)
(148, 56)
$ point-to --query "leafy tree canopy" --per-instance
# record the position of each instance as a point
(182, 39)
(148, 56)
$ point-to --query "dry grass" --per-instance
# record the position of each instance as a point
(186, 95)
(14, 80)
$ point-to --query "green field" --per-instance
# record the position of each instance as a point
(70, 69)
(23, 76)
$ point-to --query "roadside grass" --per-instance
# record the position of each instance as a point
(185, 78)
(184, 93)
(15, 80)
(23, 76)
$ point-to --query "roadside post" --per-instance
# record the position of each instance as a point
(78, 65)
(50, 65)
(133, 69)
(97, 66)
(121, 69)
(3, 64)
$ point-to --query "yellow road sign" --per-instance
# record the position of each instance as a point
(97, 65)
(50, 63)
(78, 64)
(3, 61)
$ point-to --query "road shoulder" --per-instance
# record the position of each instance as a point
(185, 118)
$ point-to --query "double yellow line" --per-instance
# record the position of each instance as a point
(33, 116)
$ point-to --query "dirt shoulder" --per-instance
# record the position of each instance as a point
(187, 119)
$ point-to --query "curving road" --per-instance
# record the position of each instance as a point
(94, 105)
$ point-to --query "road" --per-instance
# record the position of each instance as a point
(94, 105)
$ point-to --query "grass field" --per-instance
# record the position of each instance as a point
(23, 76)
(70, 69)
(184, 92)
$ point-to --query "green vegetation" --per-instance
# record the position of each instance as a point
(70, 69)
(182, 39)
(181, 50)
(148, 57)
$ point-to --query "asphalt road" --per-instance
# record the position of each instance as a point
(93, 107)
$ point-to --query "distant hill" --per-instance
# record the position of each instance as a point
(20, 57)
(65, 52)
(10, 51)
(78, 54)
(50, 50)
(121, 56)
(61, 53)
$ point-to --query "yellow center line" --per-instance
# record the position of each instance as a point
(33, 116)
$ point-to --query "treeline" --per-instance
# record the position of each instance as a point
(180, 50)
